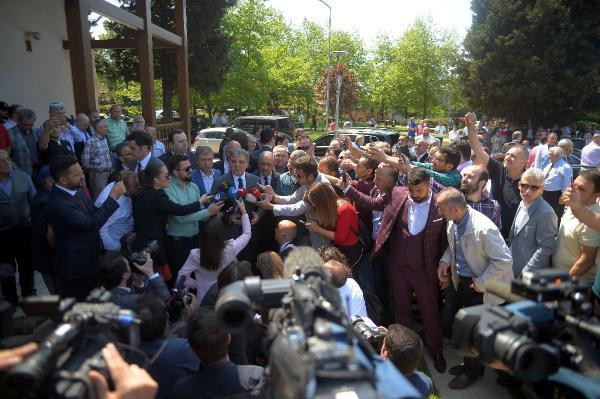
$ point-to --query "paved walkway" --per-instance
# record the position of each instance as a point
(486, 387)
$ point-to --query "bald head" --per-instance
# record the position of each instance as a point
(285, 231)
(337, 271)
(82, 121)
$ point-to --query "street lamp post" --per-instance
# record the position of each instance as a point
(328, 67)
(338, 79)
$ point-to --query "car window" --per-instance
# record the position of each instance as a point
(214, 135)
(325, 140)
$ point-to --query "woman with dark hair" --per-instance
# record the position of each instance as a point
(151, 208)
(214, 253)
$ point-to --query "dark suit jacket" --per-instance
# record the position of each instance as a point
(167, 156)
(220, 166)
(435, 240)
(128, 299)
(77, 230)
(197, 178)
(274, 179)
(150, 210)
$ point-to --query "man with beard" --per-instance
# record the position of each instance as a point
(472, 184)
(182, 231)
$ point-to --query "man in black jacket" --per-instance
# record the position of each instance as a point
(76, 224)
(114, 272)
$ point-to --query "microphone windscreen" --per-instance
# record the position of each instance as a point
(305, 258)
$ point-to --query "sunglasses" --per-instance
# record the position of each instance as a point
(305, 148)
(525, 187)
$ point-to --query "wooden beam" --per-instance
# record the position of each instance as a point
(82, 58)
(119, 43)
(116, 14)
(166, 36)
(183, 84)
(146, 62)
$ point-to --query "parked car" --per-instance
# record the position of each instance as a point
(212, 138)
(371, 136)
(248, 123)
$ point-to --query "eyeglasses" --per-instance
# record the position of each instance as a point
(304, 148)
(525, 187)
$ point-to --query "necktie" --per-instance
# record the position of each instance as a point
(266, 181)
(240, 183)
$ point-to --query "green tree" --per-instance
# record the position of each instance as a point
(208, 49)
(536, 60)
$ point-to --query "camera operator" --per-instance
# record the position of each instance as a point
(114, 272)
(171, 358)
(405, 349)
(218, 376)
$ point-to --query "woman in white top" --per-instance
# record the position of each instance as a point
(214, 253)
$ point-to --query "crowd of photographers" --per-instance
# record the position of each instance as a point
(92, 202)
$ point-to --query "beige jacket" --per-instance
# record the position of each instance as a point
(485, 252)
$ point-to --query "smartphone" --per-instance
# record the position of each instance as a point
(63, 120)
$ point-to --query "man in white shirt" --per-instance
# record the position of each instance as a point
(350, 292)
(121, 221)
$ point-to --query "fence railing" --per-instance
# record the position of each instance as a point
(163, 130)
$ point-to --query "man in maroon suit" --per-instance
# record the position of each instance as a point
(417, 239)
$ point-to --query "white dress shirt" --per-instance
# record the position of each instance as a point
(235, 180)
(521, 217)
(262, 179)
(417, 215)
(119, 223)
(353, 299)
(208, 180)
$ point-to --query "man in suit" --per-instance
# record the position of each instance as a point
(223, 165)
(476, 254)
(205, 175)
(140, 144)
(285, 235)
(415, 232)
(125, 161)
(263, 238)
(533, 233)
(238, 178)
(178, 144)
(114, 272)
(76, 224)
(267, 139)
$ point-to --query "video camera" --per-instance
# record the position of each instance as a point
(313, 351)
(547, 335)
(60, 366)
(180, 296)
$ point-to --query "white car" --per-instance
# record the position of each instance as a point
(212, 138)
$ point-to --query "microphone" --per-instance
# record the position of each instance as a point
(232, 193)
(219, 196)
(242, 192)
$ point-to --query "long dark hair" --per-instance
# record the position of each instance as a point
(152, 171)
(212, 244)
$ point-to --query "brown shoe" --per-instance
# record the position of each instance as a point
(461, 381)
(456, 370)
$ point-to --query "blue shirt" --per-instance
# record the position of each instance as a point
(558, 176)
(422, 382)
(462, 268)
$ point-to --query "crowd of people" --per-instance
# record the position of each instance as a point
(419, 220)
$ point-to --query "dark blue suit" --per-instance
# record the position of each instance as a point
(197, 178)
(76, 223)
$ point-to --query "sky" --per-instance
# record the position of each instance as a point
(368, 18)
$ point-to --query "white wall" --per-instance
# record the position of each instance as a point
(35, 79)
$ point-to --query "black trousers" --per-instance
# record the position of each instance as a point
(455, 299)
(552, 197)
(16, 251)
(78, 289)
(178, 250)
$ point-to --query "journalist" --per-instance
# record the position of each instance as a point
(171, 359)
(114, 272)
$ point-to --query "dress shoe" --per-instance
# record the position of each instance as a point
(456, 370)
(440, 363)
(461, 381)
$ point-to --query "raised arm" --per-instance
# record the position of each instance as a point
(481, 157)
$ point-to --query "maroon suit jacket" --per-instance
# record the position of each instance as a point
(435, 239)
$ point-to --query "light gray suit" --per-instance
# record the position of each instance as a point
(533, 243)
